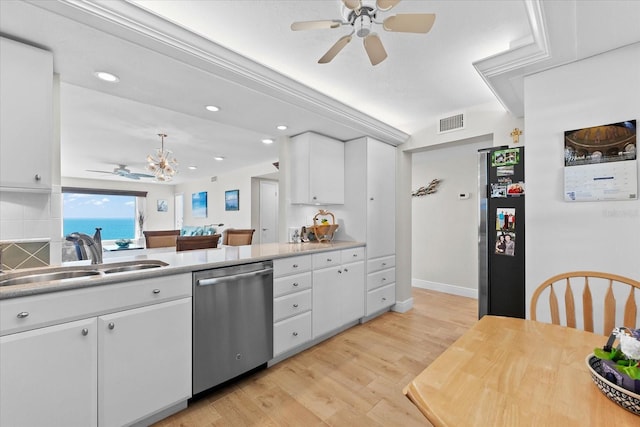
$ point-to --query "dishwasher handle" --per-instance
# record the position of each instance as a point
(215, 280)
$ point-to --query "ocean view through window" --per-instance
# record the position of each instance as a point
(115, 214)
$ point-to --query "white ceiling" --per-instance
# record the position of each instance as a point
(175, 57)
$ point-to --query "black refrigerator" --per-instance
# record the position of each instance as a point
(501, 234)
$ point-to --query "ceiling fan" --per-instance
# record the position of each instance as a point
(362, 15)
(122, 171)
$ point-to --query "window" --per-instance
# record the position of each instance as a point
(116, 212)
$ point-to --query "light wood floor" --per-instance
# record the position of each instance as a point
(353, 379)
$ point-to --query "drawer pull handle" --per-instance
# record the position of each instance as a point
(340, 271)
(384, 264)
(295, 334)
(156, 291)
(384, 299)
(328, 259)
(295, 265)
(295, 305)
(355, 255)
(111, 325)
(295, 284)
(384, 279)
(23, 314)
(85, 331)
(346, 270)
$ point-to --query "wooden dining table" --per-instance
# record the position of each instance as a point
(515, 372)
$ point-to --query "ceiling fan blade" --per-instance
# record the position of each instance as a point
(374, 48)
(141, 175)
(410, 22)
(352, 4)
(91, 170)
(385, 5)
(131, 176)
(315, 25)
(335, 49)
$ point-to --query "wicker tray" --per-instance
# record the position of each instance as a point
(625, 398)
(323, 232)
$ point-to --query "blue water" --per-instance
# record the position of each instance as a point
(112, 228)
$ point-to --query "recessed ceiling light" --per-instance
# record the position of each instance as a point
(212, 108)
(267, 141)
(219, 158)
(192, 167)
(281, 127)
(107, 77)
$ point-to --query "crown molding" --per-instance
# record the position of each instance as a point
(504, 72)
(137, 25)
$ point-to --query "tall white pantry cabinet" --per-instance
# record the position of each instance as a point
(370, 211)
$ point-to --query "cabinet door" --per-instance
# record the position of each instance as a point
(317, 170)
(352, 292)
(48, 376)
(145, 362)
(381, 208)
(26, 116)
(326, 300)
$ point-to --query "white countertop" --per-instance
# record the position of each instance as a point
(179, 262)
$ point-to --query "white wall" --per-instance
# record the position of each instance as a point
(236, 180)
(445, 228)
(563, 236)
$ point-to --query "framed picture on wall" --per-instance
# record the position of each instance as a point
(163, 206)
(232, 200)
(199, 204)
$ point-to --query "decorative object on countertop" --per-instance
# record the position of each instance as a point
(163, 165)
(429, 189)
(323, 231)
(123, 243)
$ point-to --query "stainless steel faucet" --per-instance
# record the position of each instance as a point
(94, 244)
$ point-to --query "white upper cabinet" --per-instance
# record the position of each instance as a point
(26, 116)
(317, 170)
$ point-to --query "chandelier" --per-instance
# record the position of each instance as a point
(163, 165)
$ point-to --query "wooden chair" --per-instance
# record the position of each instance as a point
(160, 238)
(189, 243)
(589, 279)
(238, 237)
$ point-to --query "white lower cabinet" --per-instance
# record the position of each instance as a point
(145, 361)
(291, 303)
(110, 369)
(338, 290)
(381, 288)
(48, 376)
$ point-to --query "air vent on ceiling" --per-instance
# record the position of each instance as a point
(214, 178)
(452, 123)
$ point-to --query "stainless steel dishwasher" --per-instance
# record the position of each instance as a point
(232, 322)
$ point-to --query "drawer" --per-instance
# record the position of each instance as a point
(64, 306)
(291, 265)
(381, 298)
(291, 333)
(291, 305)
(381, 263)
(352, 255)
(381, 278)
(288, 284)
(326, 259)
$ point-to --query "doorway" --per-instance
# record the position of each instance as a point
(268, 211)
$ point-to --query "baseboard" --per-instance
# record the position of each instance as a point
(443, 287)
(403, 306)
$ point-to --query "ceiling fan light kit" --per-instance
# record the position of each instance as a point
(361, 15)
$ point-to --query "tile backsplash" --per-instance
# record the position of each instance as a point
(25, 254)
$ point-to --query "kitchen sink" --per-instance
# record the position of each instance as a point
(52, 274)
(131, 266)
(48, 277)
